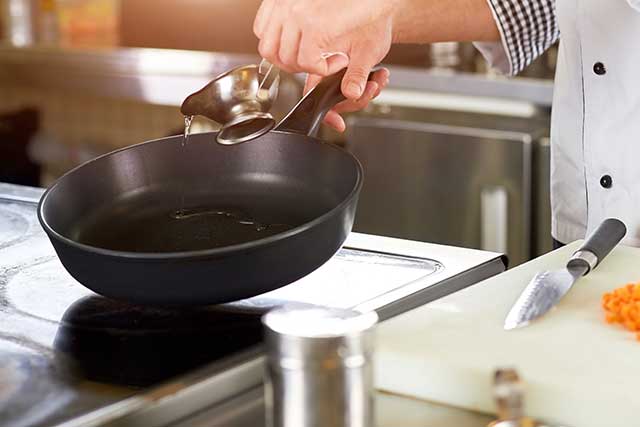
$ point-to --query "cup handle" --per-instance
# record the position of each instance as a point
(269, 75)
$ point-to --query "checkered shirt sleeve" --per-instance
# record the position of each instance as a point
(527, 28)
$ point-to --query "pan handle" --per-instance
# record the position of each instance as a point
(305, 118)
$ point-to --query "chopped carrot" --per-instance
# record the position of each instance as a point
(624, 311)
(622, 306)
(631, 326)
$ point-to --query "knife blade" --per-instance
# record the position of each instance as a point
(547, 288)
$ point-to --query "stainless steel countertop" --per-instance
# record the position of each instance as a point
(392, 410)
(164, 76)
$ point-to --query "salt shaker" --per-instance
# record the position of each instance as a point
(319, 367)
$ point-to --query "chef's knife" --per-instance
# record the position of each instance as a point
(548, 287)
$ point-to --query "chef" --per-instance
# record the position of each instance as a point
(595, 130)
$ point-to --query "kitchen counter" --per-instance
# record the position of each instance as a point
(577, 369)
(163, 76)
(389, 276)
(394, 410)
(391, 411)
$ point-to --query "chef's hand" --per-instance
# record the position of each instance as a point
(372, 89)
(299, 36)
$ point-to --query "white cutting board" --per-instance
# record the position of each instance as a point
(578, 370)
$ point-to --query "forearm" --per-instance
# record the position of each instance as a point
(428, 21)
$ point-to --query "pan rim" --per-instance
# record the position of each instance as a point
(203, 253)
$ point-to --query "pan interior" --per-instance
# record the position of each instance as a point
(158, 221)
(164, 196)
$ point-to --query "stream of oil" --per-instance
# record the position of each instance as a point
(187, 131)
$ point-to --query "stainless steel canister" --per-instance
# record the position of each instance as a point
(319, 367)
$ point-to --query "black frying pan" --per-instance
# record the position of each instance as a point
(159, 223)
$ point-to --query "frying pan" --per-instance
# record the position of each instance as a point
(168, 223)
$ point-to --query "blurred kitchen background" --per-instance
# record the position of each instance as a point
(453, 153)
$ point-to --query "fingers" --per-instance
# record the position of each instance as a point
(333, 117)
(379, 81)
(363, 59)
(372, 90)
(310, 58)
(361, 103)
(334, 120)
(381, 77)
(289, 46)
(333, 63)
(287, 42)
(262, 17)
(269, 46)
(336, 62)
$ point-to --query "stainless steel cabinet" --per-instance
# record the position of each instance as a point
(541, 220)
(464, 185)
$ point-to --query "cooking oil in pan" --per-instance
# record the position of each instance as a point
(154, 229)
(230, 217)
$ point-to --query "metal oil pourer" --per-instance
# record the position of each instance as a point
(240, 100)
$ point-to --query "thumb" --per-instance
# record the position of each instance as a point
(362, 60)
(336, 62)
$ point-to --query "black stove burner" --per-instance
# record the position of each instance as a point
(124, 344)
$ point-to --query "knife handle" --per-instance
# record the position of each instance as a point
(599, 244)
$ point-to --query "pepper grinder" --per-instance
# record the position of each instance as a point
(319, 368)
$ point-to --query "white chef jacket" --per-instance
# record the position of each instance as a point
(595, 126)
